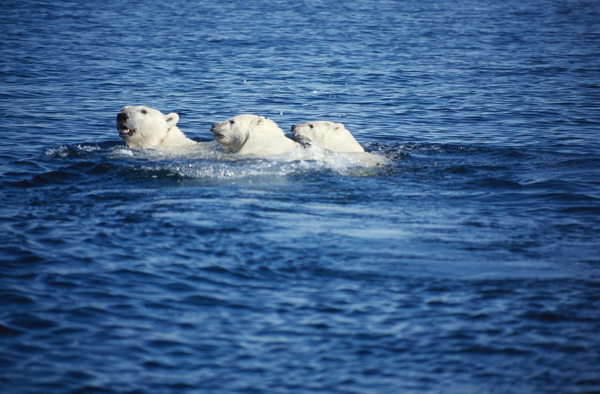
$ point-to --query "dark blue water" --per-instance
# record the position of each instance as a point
(471, 263)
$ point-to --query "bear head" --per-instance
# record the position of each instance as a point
(234, 133)
(328, 135)
(144, 127)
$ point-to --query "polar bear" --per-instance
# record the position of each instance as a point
(144, 127)
(334, 137)
(327, 135)
(252, 135)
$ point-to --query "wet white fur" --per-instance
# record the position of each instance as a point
(252, 135)
(327, 135)
(148, 128)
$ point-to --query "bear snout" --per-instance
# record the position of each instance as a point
(215, 128)
(216, 135)
(122, 117)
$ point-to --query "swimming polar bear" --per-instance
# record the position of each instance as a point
(335, 137)
(144, 127)
(328, 135)
(252, 135)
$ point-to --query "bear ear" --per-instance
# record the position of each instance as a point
(258, 120)
(172, 119)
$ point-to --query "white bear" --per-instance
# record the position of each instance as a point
(144, 127)
(327, 135)
(252, 135)
(334, 137)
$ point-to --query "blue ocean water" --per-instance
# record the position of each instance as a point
(470, 263)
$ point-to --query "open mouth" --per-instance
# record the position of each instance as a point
(124, 131)
(216, 135)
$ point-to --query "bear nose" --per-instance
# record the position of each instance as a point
(121, 117)
(293, 128)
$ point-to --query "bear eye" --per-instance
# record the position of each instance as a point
(311, 125)
(144, 111)
(231, 122)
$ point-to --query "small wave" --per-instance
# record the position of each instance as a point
(251, 169)
(204, 164)
(203, 150)
(62, 151)
(71, 173)
(77, 150)
(85, 162)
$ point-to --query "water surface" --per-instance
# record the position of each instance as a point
(468, 264)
